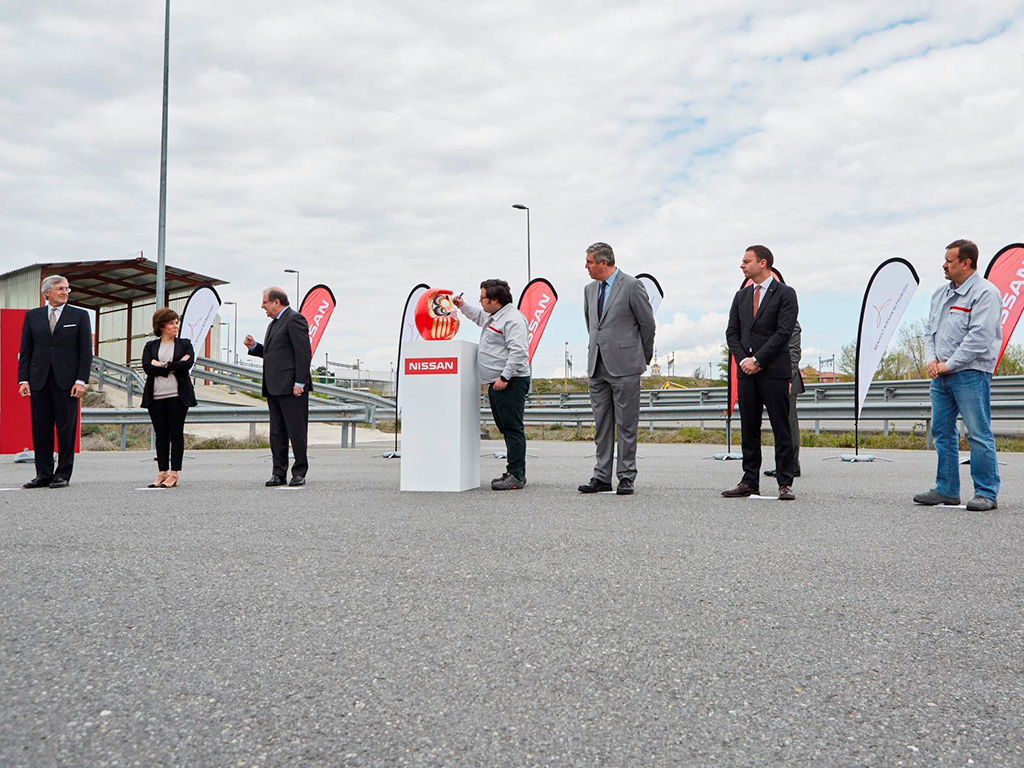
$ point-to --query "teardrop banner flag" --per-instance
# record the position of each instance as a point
(536, 304)
(317, 307)
(408, 335)
(1006, 272)
(201, 308)
(654, 292)
(733, 378)
(886, 298)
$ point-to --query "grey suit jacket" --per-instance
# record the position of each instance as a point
(624, 335)
(794, 357)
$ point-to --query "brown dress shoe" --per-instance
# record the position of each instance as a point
(740, 491)
(786, 493)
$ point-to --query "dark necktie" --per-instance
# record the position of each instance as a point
(600, 300)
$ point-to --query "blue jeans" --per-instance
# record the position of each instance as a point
(967, 393)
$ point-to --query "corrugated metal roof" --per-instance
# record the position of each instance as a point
(118, 281)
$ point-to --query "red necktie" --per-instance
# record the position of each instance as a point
(757, 298)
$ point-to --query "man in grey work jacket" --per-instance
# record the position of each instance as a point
(621, 327)
(503, 360)
(961, 347)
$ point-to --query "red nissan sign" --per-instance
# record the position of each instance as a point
(431, 365)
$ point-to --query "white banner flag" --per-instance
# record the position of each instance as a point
(408, 338)
(886, 298)
(654, 292)
(200, 310)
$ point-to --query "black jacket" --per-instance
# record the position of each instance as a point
(180, 369)
(286, 354)
(765, 337)
(68, 351)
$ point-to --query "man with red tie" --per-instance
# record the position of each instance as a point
(761, 322)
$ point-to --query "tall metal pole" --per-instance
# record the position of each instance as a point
(296, 282)
(161, 257)
(521, 207)
(235, 305)
(529, 274)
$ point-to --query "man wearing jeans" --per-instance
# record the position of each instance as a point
(504, 363)
(961, 346)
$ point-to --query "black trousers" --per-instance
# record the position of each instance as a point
(289, 421)
(54, 407)
(507, 406)
(168, 417)
(757, 392)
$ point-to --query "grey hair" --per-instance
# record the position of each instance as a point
(602, 252)
(51, 281)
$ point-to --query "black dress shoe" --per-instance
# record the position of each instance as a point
(58, 482)
(38, 482)
(771, 473)
(740, 491)
(786, 493)
(275, 480)
(297, 481)
(595, 486)
(625, 487)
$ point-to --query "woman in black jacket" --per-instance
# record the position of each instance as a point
(168, 394)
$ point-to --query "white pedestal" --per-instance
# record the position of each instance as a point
(441, 417)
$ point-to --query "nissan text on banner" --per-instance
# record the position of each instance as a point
(654, 292)
(197, 318)
(1006, 273)
(317, 307)
(408, 335)
(536, 304)
(886, 298)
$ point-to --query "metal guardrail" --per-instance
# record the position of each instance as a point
(886, 401)
(346, 415)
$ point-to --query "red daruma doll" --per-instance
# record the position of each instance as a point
(435, 315)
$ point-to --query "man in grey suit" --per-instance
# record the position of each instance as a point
(621, 326)
(796, 387)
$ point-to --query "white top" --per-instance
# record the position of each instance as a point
(165, 386)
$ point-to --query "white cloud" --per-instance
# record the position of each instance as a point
(375, 146)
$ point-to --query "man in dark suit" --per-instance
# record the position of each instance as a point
(286, 357)
(761, 322)
(620, 322)
(53, 368)
(796, 388)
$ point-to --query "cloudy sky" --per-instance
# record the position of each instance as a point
(376, 145)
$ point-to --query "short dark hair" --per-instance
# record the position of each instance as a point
(965, 250)
(602, 252)
(277, 294)
(162, 317)
(761, 253)
(497, 290)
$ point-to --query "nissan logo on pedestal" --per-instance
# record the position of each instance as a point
(431, 365)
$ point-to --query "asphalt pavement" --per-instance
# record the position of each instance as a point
(347, 623)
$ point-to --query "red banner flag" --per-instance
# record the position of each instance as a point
(733, 378)
(1006, 272)
(536, 304)
(317, 307)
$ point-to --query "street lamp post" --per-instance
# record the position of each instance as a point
(161, 259)
(233, 304)
(228, 345)
(529, 274)
(296, 282)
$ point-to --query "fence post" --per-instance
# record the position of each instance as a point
(124, 437)
(928, 433)
(252, 430)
